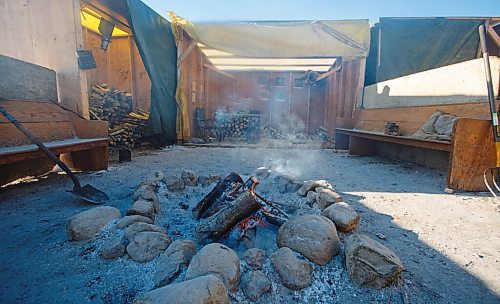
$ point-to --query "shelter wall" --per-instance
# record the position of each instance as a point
(120, 66)
(45, 33)
(463, 82)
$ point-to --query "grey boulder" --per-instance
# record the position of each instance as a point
(88, 223)
(293, 272)
(343, 216)
(370, 263)
(254, 257)
(254, 284)
(142, 207)
(172, 260)
(327, 197)
(314, 236)
(146, 246)
(219, 260)
(201, 290)
(130, 219)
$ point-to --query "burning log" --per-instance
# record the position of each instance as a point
(223, 221)
(217, 194)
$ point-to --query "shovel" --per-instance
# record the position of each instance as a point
(87, 192)
(491, 175)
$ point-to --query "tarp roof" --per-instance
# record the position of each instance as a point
(307, 45)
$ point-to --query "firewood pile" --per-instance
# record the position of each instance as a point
(109, 104)
(272, 133)
(236, 126)
(126, 127)
(130, 131)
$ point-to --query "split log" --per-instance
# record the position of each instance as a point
(216, 194)
(223, 221)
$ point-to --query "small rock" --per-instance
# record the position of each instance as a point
(203, 290)
(311, 185)
(254, 257)
(293, 272)
(114, 247)
(189, 178)
(311, 198)
(143, 189)
(327, 197)
(142, 207)
(449, 191)
(342, 215)
(380, 236)
(314, 236)
(86, 224)
(286, 184)
(255, 284)
(146, 246)
(262, 173)
(183, 206)
(174, 184)
(319, 189)
(135, 228)
(152, 197)
(214, 178)
(130, 219)
(204, 180)
(370, 263)
(219, 260)
(156, 177)
(171, 262)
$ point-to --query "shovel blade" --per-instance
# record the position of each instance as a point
(92, 195)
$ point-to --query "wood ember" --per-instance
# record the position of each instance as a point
(223, 221)
(232, 202)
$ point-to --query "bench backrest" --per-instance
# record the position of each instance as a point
(411, 119)
(45, 120)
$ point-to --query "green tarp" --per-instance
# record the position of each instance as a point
(410, 46)
(156, 44)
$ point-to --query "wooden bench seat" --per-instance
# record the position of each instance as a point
(81, 143)
(469, 153)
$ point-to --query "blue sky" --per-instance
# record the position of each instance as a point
(231, 10)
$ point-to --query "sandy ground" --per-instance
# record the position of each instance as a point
(449, 244)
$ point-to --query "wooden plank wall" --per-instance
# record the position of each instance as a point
(329, 103)
(120, 66)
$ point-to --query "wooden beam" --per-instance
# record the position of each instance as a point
(494, 36)
(187, 51)
(211, 67)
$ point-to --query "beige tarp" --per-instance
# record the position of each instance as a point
(283, 39)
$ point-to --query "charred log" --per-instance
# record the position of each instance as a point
(223, 221)
(217, 194)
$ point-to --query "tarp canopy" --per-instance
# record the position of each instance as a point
(282, 39)
(156, 44)
(412, 45)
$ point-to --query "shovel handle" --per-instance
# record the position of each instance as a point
(489, 84)
(42, 147)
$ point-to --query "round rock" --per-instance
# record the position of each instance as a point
(293, 272)
(86, 224)
(189, 178)
(343, 216)
(172, 260)
(203, 290)
(142, 207)
(130, 219)
(314, 236)
(219, 260)
(255, 284)
(147, 245)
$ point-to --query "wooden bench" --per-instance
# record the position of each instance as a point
(469, 153)
(82, 144)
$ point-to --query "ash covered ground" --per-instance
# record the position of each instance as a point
(449, 244)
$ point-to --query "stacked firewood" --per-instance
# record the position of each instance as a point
(236, 126)
(109, 104)
(272, 133)
(129, 132)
